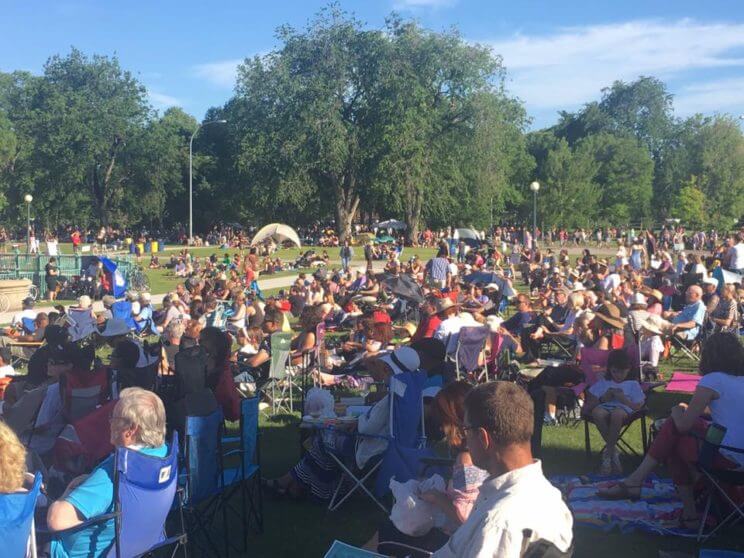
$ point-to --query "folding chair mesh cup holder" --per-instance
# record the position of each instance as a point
(280, 375)
(17, 531)
(246, 477)
(203, 479)
(717, 480)
(471, 342)
(145, 492)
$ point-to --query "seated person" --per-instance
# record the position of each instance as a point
(138, 422)
(143, 318)
(258, 364)
(720, 391)
(27, 311)
(317, 474)
(686, 323)
(41, 321)
(13, 476)
(448, 410)
(154, 262)
(171, 345)
(498, 426)
(610, 401)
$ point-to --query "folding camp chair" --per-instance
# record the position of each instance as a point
(203, 479)
(246, 477)
(21, 417)
(718, 480)
(471, 342)
(686, 353)
(82, 323)
(311, 362)
(122, 310)
(29, 325)
(280, 377)
(82, 392)
(406, 444)
(17, 533)
(593, 362)
(22, 351)
(144, 493)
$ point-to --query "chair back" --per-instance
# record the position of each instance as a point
(593, 363)
(406, 407)
(82, 323)
(145, 488)
(280, 349)
(29, 326)
(21, 416)
(122, 310)
(82, 392)
(16, 519)
(249, 433)
(470, 345)
(190, 371)
(203, 457)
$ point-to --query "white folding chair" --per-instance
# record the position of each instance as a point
(280, 374)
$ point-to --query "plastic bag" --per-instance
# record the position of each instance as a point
(410, 514)
(319, 402)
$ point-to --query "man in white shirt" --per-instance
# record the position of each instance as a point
(735, 255)
(448, 331)
(516, 505)
(27, 311)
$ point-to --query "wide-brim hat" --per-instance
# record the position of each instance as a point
(610, 314)
(638, 300)
(402, 359)
(472, 306)
(655, 293)
(443, 304)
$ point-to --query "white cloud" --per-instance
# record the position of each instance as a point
(414, 4)
(714, 96)
(221, 73)
(568, 68)
(161, 101)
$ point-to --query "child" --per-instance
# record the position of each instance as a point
(610, 401)
(249, 340)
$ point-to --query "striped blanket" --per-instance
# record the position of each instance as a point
(656, 512)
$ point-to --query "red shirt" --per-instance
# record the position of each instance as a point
(378, 316)
(75, 237)
(427, 326)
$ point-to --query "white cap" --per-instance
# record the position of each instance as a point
(710, 281)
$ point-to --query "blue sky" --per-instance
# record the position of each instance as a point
(558, 53)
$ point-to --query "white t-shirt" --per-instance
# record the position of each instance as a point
(728, 410)
(449, 332)
(630, 388)
(27, 313)
(737, 256)
(7, 370)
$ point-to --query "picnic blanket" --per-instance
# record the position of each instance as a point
(656, 512)
(684, 383)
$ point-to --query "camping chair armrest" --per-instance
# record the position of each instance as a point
(230, 439)
(649, 387)
(46, 532)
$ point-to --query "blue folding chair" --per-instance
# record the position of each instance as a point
(246, 477)
(203, 479)
(29, 326)
(122, 310)
(17, 521)
(406, 444)
(144, 494)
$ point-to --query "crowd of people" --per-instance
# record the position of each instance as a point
(649, 300)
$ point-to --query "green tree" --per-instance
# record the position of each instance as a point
(689, 205)
(624, 177)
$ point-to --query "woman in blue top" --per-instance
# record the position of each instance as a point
(137, 422)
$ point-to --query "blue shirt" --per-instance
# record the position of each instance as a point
(94, 497)
(692, 312)
(438, 268)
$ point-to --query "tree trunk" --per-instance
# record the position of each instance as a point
(347, 204)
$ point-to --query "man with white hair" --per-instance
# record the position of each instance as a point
(686, 323)
(138, 423)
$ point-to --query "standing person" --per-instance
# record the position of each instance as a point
(75, 238)
(437, 270)
(735, 255)
(516, 504)
(369, 253)
(51, 277)
(346, 253)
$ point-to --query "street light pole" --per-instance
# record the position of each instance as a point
(535, 186)
(28, 198)
(191, 175)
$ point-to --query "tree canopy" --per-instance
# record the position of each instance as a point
(344, 123)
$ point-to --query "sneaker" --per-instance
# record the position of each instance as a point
(549, 421)
(605, 469)
(617, 467)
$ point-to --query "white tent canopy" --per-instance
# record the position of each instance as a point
(391, 224)
(278, 233)
(464, 233)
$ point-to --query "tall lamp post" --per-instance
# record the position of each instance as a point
(191, 175)
(28, 198)
(535, 186)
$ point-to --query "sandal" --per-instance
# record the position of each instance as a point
(620, 491)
